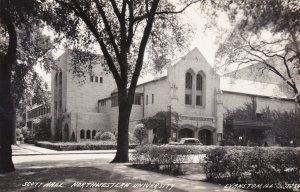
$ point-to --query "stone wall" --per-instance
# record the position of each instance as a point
(159, 90)
(88, 121)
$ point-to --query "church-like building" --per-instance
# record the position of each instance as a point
(191, 87)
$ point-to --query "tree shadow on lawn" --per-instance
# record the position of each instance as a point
(45, 172)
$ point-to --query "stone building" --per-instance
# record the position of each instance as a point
(191, 87)
(74, 105)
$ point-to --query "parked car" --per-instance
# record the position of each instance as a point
(187, 141)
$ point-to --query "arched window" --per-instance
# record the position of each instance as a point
(55, 92)
(93, 134)
(88, 134)
(200, 89)
(199, 82)
(60, 91)
(81, 134)
(56, 79)
(188, 80)
(188, 88)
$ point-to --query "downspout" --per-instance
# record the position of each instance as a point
(76, 126)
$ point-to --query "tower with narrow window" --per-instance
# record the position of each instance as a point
(74, 105)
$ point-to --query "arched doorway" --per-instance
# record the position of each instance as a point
(205, 137)
(185, 132)
(66, 133)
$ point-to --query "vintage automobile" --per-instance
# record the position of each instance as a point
(187, 141)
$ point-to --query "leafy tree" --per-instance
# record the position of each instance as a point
(160, 124)
(140, 133)
(282, 124)
(266, 34)
(21, 47)
(123, 31)
(42, 129)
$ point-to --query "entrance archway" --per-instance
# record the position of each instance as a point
(66, 133)
(205, 137)
(185, 132)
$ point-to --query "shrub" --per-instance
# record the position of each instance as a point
(107, 136)
(43, 130)
(18, 132)
(169, 157)
(98, 134)
(69, 146)
(24, 131)
(141, 133)
(252, 165)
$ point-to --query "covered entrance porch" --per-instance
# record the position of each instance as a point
(205, 134)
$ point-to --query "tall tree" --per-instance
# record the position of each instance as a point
(20, 49)
(124, 31)
(266, 33)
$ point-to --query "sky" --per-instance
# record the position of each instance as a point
(205, 39)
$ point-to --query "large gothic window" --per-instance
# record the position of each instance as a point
(188, 80)
(188, 88)
(199, 89)
(199, 82)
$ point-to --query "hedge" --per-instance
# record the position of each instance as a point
(263, 165)
(67, 146)
(231, 164)
(166, 157)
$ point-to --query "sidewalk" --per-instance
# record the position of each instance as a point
(27, 149)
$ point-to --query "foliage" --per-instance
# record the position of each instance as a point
(42, 130)
(282, 124)
(22, 45)
(141, 133)
(167, 157)
(107, 136)
(98, 134)
(73, 138)
(265, 34)
(252, 165)
(58, 131)
(19, 135)
(71, 146)
(160, 124)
